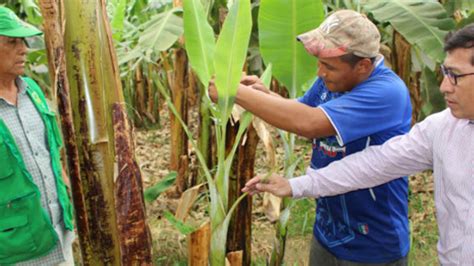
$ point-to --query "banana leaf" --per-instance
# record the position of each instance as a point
(280, 22)
(423, 23)
(230, 55)
(200, 41)
(156, 35)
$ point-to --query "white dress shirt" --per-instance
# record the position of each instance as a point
(442, 143)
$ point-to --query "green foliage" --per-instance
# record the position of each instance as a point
(280, 22)
(183, 228)
(467, 20)
(156, 35)
(32, 11)
(423, 23)
(200, 41)
(118, 19)
(154, 191)
(230, 55)
(302, 217)
(433, 99)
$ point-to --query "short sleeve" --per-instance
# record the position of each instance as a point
(311, 97)
(374, 106)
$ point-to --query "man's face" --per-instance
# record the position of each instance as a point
(459, 97)
(12, 56)
(338, 75)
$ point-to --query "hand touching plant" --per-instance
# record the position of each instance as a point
(275, 184)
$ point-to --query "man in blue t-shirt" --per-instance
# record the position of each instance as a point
(356, 102)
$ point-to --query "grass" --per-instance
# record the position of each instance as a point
(424, 231)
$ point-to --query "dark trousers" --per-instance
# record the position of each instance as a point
(319, 256)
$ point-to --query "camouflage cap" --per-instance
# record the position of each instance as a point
(12, 26)
(343, 32)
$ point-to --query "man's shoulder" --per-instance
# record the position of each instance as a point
(444, 119)
(386, 76)
(386, 84)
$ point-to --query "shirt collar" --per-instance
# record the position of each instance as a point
(21, 85)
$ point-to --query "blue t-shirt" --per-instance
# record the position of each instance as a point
(367, 225)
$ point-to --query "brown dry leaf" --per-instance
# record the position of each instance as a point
(235, 258)
(264, 134)
(271, 206)
(236, 113)
(186, 202)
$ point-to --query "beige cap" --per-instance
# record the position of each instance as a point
(343, 32)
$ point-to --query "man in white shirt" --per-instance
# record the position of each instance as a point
(443, 142)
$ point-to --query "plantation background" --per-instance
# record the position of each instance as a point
(160, 84)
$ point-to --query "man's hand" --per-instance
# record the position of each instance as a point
(275, 184)
(246, 82)
(255, 82)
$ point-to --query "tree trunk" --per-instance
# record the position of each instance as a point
(240, 231)
(235, 258)
(95, 88)
(140, 92)
(401, 61)
(53, 28)
(179, 140)
(135, 237)
(198, 246)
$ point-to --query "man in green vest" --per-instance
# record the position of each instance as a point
(36, 226)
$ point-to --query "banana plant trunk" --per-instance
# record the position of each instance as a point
(117, 227)
(402, 65)
(240, 228)
(205, 143)
(179, 140)
(53, 29)
(140, 93)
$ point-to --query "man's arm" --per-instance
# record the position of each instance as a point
(376, 165)
(286, 114)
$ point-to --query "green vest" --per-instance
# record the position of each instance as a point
(26, 231)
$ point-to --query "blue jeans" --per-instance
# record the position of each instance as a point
(319, 256)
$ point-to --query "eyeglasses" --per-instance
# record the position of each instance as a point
(14, 42)
(453, 78)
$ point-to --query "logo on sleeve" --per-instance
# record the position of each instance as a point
(363, 228)
(329, 147)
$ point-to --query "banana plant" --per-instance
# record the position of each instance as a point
(223, 59)
(279, 24)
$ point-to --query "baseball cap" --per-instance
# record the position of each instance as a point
(12, 26)
(343, 32)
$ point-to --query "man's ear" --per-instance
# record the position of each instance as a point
(364, 66)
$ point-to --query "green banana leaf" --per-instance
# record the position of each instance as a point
(156, 35)
(423, 23)
(200, 40)
(280, 22)
(118, 18)
(182, 227)
(154, 191)
(230, 55)
(266, 77)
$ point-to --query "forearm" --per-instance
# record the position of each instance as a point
(286, 114)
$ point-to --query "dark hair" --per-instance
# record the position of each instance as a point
(463, 38)
(353, 59)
